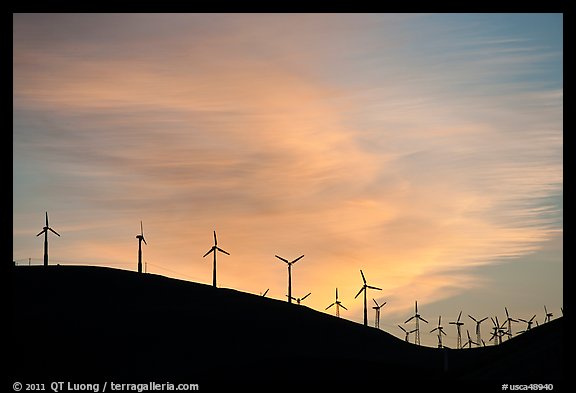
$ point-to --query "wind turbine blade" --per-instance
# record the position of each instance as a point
(532, 317)
(330, 306)
(43, 230)
(474, 319)
(416, 306)
(53, 231)
(47, 219)
(371, 287)
(443, 332)
(433, 329)
(459, 315)
(212, 249)
(221, 250)
(341, 305)
(483, 319)
(144, 240)
(141, 229)
(375, 302)
(265, 292)
(297, 259)
(359, 292)
(363, 278)
(409, 319)
(336, 293)
(282, 259)
(412, 331)
(310, 293)
(422, 319)
(404, 330)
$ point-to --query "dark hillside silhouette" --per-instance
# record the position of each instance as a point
(93, 321)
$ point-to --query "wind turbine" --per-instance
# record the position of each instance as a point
(546, 319)
(470, 342)
(364, 288)
(441, 332)
(338, 305)
(45, 232)
(377, 317)
(458, 325)
(498, 331)
(478, 322)
(529, 322)
(214, 249)
(407, 332)
(509, 320)
(290, 274)
(265, 292)
(298, 300)
(141, 239)
(417, 330)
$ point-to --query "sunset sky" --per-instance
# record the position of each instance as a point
(425, 150)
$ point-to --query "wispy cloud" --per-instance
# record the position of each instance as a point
(384, 163)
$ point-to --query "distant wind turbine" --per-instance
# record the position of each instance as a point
(458, 325)
(141, 239)
(298, 300)
(364, 288)
(214, 250)
(528, 322)
(45, 232)
(377, 316)
(478, 322)
(440, 330)
(509, 320)
(407, 333)
(338, 304)
(290, 274)
(470, 342)
(417, 317)
(547, 318)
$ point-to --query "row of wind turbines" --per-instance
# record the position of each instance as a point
(498, 330)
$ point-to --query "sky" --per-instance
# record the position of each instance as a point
(424, 149)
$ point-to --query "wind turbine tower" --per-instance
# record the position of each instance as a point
(441, 331)
(45, 232)
(214, 250)
(141, 239)
(364, 288)
(377, 317)
(290, 274)
(417, 317)
(338, 304)
(478, 322)
(458, 325)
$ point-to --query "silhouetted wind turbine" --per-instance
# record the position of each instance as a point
(45, 232)
(214, 249)
(338, 305)
(407, 333)
(141, 239)
(418, 318)
(498, 331)
(377, 317)
(529, 322)
(290, 274)
(458, 325)
(364, 288)
(478, 322)
(470, 342)
(298, 300)
(546, 319)
(509, 320)
(441, 332)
